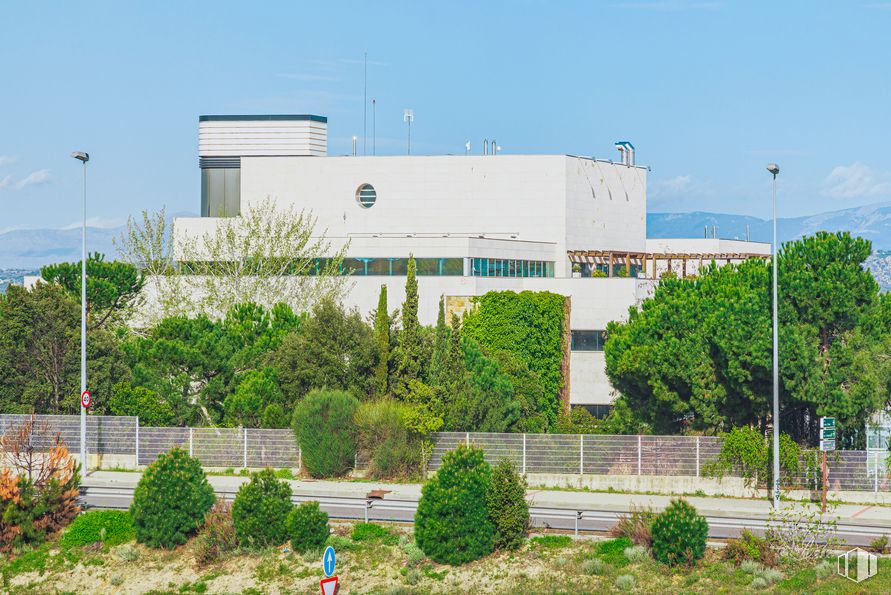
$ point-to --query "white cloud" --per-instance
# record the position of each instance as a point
(35, 178)
(854, 181)
(681, 185)
(7, 160)
(6, 182)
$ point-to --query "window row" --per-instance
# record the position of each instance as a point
(502, 267)
(588, 340)
(363, 267)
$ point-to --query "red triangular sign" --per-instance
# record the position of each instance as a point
(329, 585)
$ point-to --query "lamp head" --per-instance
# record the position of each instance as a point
(773, 168)
(81, 156)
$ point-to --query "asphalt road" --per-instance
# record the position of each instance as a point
(403, 511)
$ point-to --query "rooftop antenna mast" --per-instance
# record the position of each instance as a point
(373, 127)
(409, 115)
(365, 108)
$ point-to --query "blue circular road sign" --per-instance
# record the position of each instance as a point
(329, 559)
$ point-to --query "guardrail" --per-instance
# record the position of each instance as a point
(121, 442)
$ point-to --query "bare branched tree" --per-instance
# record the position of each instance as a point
(267, 255)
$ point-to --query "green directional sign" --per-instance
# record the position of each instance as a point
(827, 434)
(827, 422)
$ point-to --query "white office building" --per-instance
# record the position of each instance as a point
(474, 223)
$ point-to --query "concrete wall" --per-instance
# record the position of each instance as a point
(236, 138)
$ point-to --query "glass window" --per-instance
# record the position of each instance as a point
(220, 192)
(587, 340)
(366, 196)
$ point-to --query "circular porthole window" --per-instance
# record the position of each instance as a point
(366, 196)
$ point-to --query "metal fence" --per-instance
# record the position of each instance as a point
(121, 441)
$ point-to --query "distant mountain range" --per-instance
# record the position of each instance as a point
(872, 222)
(24, 251)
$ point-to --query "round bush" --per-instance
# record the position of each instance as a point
(508, 509)
(679, 534)
(323, 422)
(452, 523)
(111, 527)
(170, 500)
(308, 527)
(260, 511)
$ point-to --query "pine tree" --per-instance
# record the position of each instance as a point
(440, 348)
(409, 366)
(382, 340)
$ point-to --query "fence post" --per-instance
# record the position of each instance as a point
(299, 460)
(467, 439)
(875, 466)
(524, 454)
(638, 454)
(190, 442)
(244, 466)
(581, 455)
(697, 456)
(137, 442)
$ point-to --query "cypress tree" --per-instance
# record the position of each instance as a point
(440, 347)
(382, 341)
(410, 337)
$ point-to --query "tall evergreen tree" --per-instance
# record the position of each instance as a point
(409, 363)
(382, 341)
(440, 348)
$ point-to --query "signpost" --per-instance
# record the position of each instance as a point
(329, 583)
(827, 443)
(85, 399)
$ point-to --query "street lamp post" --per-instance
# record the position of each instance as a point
(774, 169)
(83, 158)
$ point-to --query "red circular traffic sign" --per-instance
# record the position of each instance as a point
(85, 399)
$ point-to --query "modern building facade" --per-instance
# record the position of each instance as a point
(474, 223)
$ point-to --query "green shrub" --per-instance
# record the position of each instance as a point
(626, 582)
(274, 417)
(415, 554)
(452, 523)
(612, 551)
(508, 509)
(879, 544)
(88, 528)
(824, 569)
(593, 566)
(260, 510)
(373, 533)
(637, 554)
(747, 451)
(217, 537)
(308, 527)
(126, 553)
(256, 390)
(393, 450)
(749, 546)
(170, 500)
(679, 534)
(323, 423)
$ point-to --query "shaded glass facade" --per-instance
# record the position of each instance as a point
(588, 340)
(504, 267)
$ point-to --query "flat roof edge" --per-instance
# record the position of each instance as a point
(262, 117)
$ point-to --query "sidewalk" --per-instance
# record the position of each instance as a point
(857, 514)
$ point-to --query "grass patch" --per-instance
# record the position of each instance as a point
(551, 542)
(612, 551)
(369, 532)
(111, 527)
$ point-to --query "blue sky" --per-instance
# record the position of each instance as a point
(708, 92)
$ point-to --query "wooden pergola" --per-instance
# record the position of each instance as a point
(610, 258)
